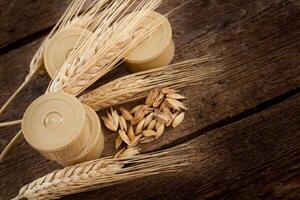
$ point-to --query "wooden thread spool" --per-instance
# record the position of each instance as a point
(59, 126)
(95, 143)
(157, 50)
(59, 47)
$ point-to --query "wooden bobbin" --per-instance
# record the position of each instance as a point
(59, 48)
(95, 144)
(56, 125)
(157, 50)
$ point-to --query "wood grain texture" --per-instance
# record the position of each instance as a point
(13, 70)
(258, 45)
(21, 18)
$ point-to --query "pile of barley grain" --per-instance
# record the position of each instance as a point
(147, 122)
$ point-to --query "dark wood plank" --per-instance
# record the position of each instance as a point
(22, 21)
(13, 70)
(257, 65)
(21, 18)
(258, 42)
(255, 158)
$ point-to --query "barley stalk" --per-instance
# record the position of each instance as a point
(11, 123)
(80, 79)
(100, 54)
(138, 85)
(10, 144)
(104, 172)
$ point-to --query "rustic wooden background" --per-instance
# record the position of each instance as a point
(245, 124)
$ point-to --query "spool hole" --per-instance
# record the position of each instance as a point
(53, 121)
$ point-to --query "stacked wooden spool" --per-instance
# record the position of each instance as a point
(63, 129)
(157, 50)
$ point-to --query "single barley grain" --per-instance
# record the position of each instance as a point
(178, 120)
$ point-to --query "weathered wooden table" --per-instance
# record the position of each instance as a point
(245, 125)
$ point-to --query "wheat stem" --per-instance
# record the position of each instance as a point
(12, 97)
(10, 144)
(11, 123)
(101, 54)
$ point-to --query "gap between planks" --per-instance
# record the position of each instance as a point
(25, 40)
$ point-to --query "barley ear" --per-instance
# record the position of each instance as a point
(91, 175)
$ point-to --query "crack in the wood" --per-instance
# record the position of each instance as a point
(232, 119)
(24, 41)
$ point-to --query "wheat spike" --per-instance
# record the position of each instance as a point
(104, 172)
(138, 85)
(113, 38)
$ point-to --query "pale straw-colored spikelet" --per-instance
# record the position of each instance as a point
(139, 115)
(149, 133)
(118, 142)
(148, 119)
(104, 172)
(131, 133)
(103, 51)
(124, 137)
(123, 124)
(152, 124)
(152, 96)
(136, 140)
(111, 120)
(159, 99)
(160, 131)
(136, 86)
(178, 120)
(126, 114)
(175, 96)
(162, 117)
